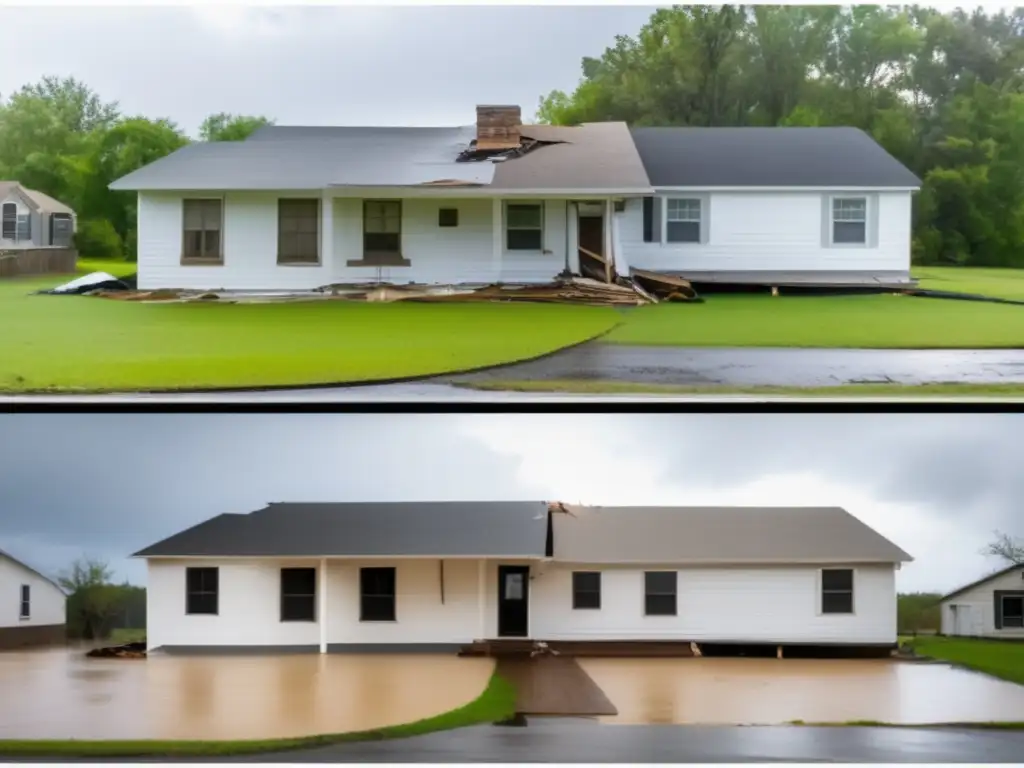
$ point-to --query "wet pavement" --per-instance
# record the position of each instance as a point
(60, 694)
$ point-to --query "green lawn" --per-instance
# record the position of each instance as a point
(1004, 660)
(79, 343)
(123, 636)
(496, 703)
(874, 321)
(998, 283)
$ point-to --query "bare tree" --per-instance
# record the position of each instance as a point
(1006, 548)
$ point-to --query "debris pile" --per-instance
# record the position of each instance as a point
(126, 651)
(571, 290)
(665, 287)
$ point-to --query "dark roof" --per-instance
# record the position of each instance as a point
(444, 528)
(982, 580)
(768, 157)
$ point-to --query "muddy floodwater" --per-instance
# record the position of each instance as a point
(774, 691)
(60, 694)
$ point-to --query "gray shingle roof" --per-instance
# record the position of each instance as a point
(990, 577)
(429, 529)
(768, 157)
(718, 535)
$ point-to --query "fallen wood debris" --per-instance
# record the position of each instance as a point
(572, 290)
(665, 287)
(126, 651)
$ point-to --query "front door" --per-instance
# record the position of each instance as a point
(513, 600)
(591, 234)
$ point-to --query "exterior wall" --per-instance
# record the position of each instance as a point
(751, 231)
(981, 601)
(47, 602)
(462, 254)
(767, 604)
(37, 223)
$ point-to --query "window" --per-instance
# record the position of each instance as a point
(202, 236)
(25, 610)
(60, 229)
(298, 594)
(24, 226)
(382, 227)
(524, 227)
(586, 590)
(682, 220)
(377, 594)
(660, 593)
(1013, 611)
(10, 221)
(201, 590)
(849, 220)
(837, 590)
(448, 217)
(298, 231)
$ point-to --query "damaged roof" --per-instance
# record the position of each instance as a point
(598, 157)
(733, 535)
(768, 157)
(426, 529)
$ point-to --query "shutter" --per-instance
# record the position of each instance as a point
(648, 219)
(997, 596)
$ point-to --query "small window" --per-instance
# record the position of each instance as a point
(524, 227)
(837, 590)
(202, 230)
(201, 590)
(586, 590)
(25, 609)
(382, 227)
(682, 220)
(10, 221)
(849, 220)
(1013, 611)
(60, 229)
(298, 231)
(298, 594)
(377, 594)
(660, 593)
(448, 217)
(24, 227)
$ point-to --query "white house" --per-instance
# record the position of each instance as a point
(32, 606)
(31, 219)
(990, 607)
(296, 208)
(442, 575)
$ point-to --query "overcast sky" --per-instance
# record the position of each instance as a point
(109, 485)
(316, 65)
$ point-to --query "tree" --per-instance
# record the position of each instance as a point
(92, 600)
(1005, 547)
(224, 126)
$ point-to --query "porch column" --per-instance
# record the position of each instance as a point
(327, 232)
(322, 595)
(609, 211)
(481, 597)
(497, 236)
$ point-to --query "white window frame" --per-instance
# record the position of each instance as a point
(204, 261)
(505, 227)
(820, 592)
(832, 220)
(1002, 607)
(23, 221)
(701, 218)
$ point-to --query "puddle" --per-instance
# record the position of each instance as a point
(59, 694)
(772, 691)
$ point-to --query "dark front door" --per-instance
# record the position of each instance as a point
(592, 234)
(513, 600)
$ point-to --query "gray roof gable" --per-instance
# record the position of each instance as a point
(768, 157)
(373, 529)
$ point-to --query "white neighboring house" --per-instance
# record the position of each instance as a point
(297, 208)
(32, 606)
(31, 219)
(441, 575)
(990, 607)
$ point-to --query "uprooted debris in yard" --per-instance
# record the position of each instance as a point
(126, 651)
(91, 283)
(665, 287)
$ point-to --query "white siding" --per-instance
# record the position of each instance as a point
(771, 231)
(462, 254)
(980, 600)
(47, 603)
(718, 604)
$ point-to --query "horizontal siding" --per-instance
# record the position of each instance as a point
(47, 603)
(770, 231)
(981, 599)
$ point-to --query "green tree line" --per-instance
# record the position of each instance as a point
(941, 91)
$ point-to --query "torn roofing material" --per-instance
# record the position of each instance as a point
(425, 529)
(768, 157)
(728, 535)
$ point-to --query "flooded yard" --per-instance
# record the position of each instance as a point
(773, 691)
(60, 694)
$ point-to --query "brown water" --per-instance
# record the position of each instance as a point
(773, 691)
(60, 694)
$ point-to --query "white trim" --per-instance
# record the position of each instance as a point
(832, 197)
(497, 233)
(659, 190)
(321, 614)
(820, 592)
(439, 556)
(410, 192)
(504, 228)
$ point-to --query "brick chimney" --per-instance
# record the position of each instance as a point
(497, 127)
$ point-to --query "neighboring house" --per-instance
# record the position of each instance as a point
(32, 606)
(441, 575)
(294, 208)
(30, 219)
(990, 607)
